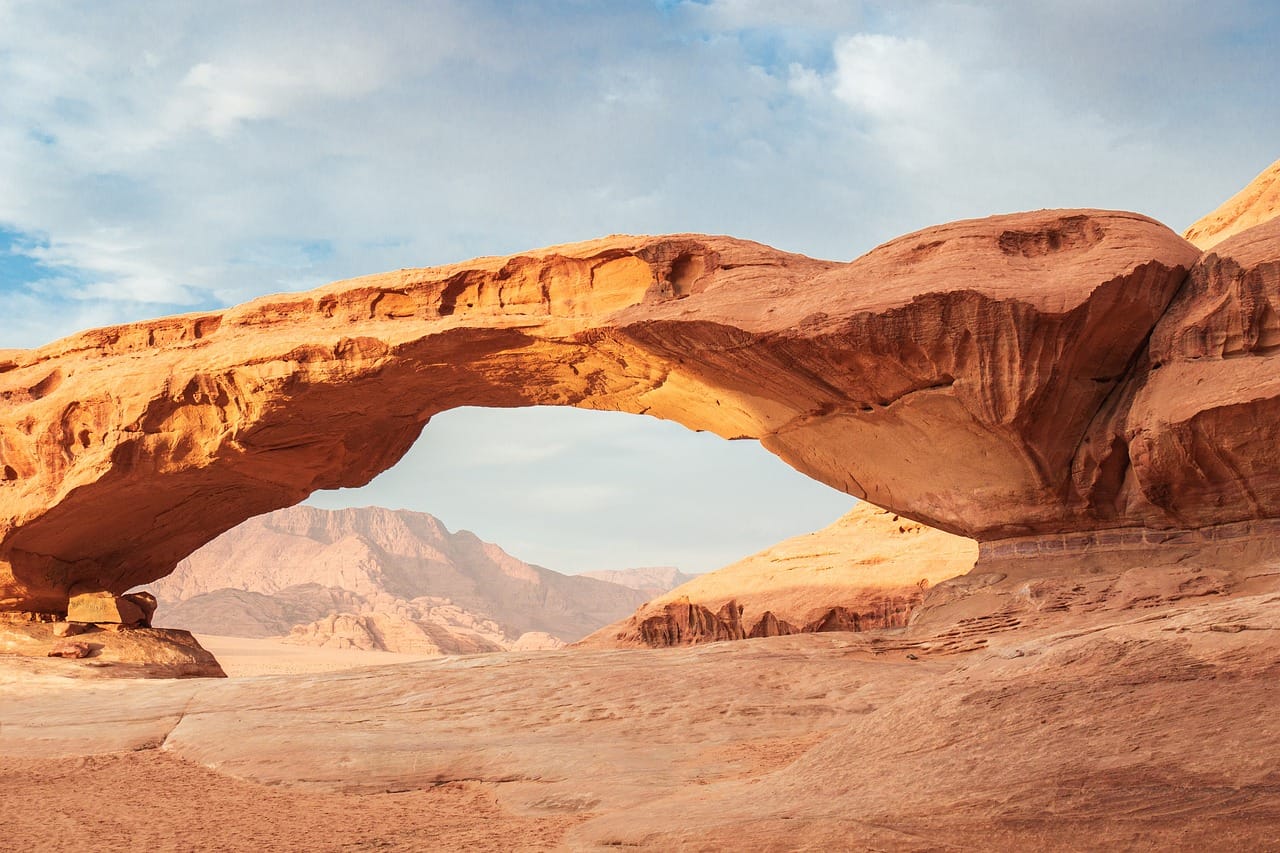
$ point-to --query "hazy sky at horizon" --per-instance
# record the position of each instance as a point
(157, 158)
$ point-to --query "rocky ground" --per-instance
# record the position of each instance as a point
(1092, 717)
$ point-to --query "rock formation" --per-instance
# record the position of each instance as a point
(990, 377)
(105, 650)
(389, 632)
(866, 571)
(373, 578)
(962, 365)
(1257, 203)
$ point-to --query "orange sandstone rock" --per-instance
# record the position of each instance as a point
(867, 571)
(1204, 425)
(951, 375)
(103, 607)
(1257, 203)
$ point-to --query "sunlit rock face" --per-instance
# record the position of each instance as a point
(987, 377)
(1257, 203)
(867, 571)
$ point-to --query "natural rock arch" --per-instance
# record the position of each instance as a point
(975, 376)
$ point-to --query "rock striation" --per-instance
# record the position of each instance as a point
(1004, 379)
(869, 570)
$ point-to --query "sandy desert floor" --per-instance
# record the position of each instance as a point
(1139, 729)
(242, 657)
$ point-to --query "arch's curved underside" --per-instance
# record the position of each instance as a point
(1030, 375)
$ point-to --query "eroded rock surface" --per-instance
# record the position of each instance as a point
(950, 375)
(1205, 419)
(867, 571)
(108, 650)
(1136, 726)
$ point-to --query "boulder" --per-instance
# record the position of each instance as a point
(99, 607)
(146, 602)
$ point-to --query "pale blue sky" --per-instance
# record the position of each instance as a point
(167, 157)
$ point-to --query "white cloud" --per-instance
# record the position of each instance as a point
(181, 154)
(889, 77)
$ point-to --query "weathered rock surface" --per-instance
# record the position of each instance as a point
(399, 580)
(951, 374)
(1257, 203)
(104, 607)
(111, 650)
(1205, 418)
(1139, 726)
(866, 571)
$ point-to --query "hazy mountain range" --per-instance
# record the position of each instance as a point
(389, 579)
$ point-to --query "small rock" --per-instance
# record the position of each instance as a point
(1234, 628)
(73, 649)
(68, 629)
(910, 656)
(146, 603)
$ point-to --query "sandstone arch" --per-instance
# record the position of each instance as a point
(976, 376)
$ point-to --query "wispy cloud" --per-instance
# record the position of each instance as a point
(177, 155)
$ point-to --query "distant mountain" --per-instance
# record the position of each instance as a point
(242, 613)
(406, 582)
(651, 580)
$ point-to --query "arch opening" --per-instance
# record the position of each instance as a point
(576, 490)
